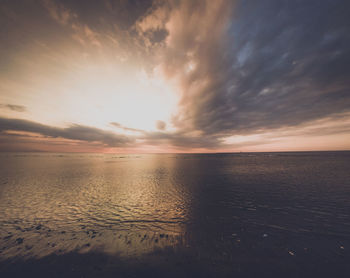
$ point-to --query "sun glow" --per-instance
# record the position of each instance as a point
(136, 100)
(98, 94)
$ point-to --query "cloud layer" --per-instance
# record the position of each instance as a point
(73, 132)
(242, 68)
(13, 107)
(258, 65)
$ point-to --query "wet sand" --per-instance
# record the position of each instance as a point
(255, 261)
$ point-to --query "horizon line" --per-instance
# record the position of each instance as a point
(234, 152)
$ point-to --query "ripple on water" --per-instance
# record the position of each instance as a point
(62, 203)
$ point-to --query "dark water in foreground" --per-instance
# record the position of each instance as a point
(183, 215)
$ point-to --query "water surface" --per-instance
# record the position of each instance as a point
(228, 210)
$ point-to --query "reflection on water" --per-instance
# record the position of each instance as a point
(58, 203)
(219, 206)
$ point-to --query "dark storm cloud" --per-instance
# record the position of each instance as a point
(290, 63)
(275, 64)
(73, 132)
(13, 107)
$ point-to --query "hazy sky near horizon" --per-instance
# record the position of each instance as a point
(174, 76)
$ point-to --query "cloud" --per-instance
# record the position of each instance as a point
(118, 125)
(65, 17)
(180, 139)
(73, 132)
(9, 128)
(58, 12)
(241, 67)
(161, 125)
(13, 107)
(254, 66)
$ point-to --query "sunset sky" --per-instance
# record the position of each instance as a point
(174, 76)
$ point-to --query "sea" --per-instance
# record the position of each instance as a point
(278, 214)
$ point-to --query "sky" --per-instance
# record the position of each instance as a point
(142, 76)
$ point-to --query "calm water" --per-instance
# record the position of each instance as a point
(229, 209)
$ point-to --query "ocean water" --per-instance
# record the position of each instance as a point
(196, 214)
